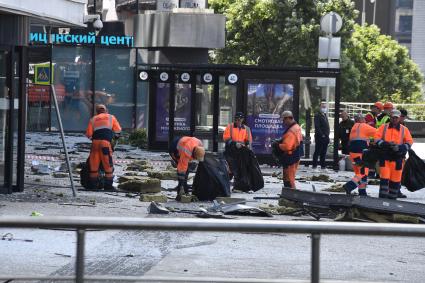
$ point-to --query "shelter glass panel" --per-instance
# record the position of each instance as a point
(4, 106)
(227, 104)
(142, 105)
(204, 113)
(115, 83)
(266, 102)
(71, 79)
(182, 108)
(312, 92)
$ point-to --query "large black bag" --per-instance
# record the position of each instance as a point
(211, 179)
(85, 175)
(413, 173)
(249, 172)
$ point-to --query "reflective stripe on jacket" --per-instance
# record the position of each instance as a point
(360, 136)
(233, 133)
(103, 127)
(382, 119)
(398, 135)
(185, 147)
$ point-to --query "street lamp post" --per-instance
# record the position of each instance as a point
(364, 13)
(374, 10)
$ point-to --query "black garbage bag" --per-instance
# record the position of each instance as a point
(249, 175)
(211, 179)
(413, 177)
(85, 176)
(371, 156)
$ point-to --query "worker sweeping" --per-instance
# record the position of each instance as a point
(182, 151)
(395, 141)
(101, 129)
(360, 135)
(291, 146)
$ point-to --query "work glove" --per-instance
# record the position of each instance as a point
(395, 147)
(384, 144)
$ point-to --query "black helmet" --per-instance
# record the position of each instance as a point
(239, 115)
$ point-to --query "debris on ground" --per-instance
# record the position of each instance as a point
(60, 175)
(157, 208)
(163, 175)
(277, 209)
(336, 188)
(139, 165)
(138, 184)
(362, 215)
(159, 197)
(321, 178)
(36, 213)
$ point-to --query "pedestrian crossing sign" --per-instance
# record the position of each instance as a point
(42, 74)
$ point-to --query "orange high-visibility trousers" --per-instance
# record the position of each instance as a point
(289, 175)
(390, 174)
(101, 153)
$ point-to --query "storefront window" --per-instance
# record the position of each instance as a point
(38, 89)
(72, 82)
(266, 102)
(115, 83)
(204, 113)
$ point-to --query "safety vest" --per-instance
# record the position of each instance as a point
(103, 127)
(383, 120)
(186, 146)
(370, 122)
(360, 136)
(242, 135)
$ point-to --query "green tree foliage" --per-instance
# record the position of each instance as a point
(286, 32)
(384, 69)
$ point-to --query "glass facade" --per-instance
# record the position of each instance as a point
(115, 83)
(72, 77)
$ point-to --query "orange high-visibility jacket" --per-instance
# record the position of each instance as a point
(399, 135)
(103, 127)
(359, 137)
(185, 146)
(291, 139)
(233, 133)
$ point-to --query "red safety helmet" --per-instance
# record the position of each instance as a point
(388, 105)
(379, 105)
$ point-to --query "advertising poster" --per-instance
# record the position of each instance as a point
(266, 102)
(181, 109)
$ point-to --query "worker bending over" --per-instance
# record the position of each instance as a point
(182, 151)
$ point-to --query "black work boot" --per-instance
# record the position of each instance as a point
(401, 195)
(180, 192)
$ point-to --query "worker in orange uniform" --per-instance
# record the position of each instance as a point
(384, 117)
(101, 129)
(375, 110)
(395, 140)
(182, 151)
(291, 145)
(236, 135)
(360, 135)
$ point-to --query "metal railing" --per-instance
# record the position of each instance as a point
(81, 224)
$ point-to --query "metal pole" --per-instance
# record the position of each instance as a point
(74, 193)
(315, 258)
(79, 276)
(374, 11)
(363, 13)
